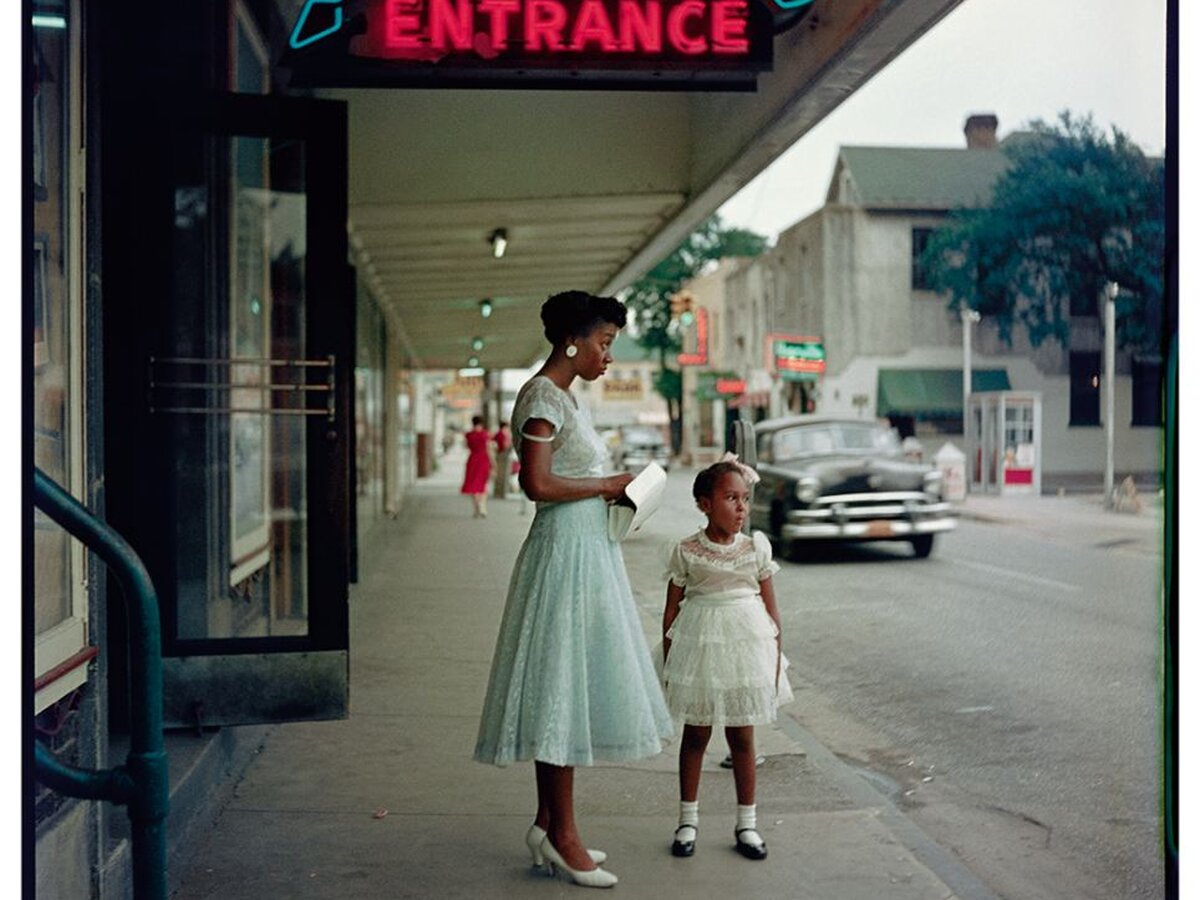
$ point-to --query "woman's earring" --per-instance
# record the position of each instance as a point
(571, 351)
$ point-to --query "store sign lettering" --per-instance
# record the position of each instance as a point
(369, 41)
(423, 28)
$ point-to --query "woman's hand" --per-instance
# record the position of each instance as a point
(613, 486)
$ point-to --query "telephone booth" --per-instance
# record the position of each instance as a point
(1004, 442)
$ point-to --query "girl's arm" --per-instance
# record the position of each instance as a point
(674, 598)
(539, 483)
(767, 589)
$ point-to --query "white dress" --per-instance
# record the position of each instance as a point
(572, 681)
(721, 669)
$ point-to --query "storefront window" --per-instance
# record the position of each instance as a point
(57, 451)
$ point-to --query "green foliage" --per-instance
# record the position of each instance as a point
(1076, 209)
(649, 298)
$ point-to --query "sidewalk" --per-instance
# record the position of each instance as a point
(308, 820)
(1074, 519)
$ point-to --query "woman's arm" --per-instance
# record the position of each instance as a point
(674, 598)
(539, 483)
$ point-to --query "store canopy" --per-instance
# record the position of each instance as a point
(932, 392)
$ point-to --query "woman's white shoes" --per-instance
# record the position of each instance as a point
(533, 840)
(597, 877)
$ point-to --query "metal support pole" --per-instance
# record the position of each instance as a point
(1110, 383)
(969, 318)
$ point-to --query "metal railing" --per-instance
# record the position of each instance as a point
(141, 783)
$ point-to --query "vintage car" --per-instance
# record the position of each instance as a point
(846, 480)
(640, 445)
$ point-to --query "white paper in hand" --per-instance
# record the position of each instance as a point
(641, 498)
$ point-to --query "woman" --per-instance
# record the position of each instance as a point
(479, 467)
(503, 441)
(571, 678)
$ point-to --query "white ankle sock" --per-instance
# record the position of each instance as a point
(689, 817)
(747, 817)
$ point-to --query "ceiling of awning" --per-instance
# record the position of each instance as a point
(591, 187)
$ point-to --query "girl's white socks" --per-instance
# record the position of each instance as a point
(689, 818)
(747, 817)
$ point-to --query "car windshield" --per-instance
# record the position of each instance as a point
(808, 440)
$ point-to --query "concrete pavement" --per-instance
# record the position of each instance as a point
(389, 803)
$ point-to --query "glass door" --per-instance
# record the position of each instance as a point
(251, 406)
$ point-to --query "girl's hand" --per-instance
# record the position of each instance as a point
(613, 486)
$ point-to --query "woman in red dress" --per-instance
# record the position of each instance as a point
(479, 467)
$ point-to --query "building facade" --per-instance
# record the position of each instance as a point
(850, 275)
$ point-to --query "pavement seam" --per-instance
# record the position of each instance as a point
(940, 861)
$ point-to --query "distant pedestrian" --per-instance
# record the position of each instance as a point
(571, 680)
(723, 662)
(479, 467)
(502, 440)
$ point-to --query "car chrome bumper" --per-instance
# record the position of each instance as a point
(869, 522)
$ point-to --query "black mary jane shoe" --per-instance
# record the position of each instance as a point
(683, 848)
(750, 851)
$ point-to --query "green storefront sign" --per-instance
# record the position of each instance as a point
(799, 360)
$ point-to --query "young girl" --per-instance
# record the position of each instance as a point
(721, 642)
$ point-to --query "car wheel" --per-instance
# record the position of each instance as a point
(922, 545)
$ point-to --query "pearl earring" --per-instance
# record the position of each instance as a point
(571, 351)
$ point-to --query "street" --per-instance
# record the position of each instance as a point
(1003, 693)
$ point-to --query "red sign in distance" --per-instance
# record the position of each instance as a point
(700, 357)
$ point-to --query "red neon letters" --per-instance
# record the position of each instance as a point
(425, 28)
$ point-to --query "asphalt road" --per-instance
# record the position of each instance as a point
(1005, 692)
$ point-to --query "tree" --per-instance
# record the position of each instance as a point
(1075, 209)
(649, 300)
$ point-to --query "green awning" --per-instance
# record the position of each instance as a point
(932, 392)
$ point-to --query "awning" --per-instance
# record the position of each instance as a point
(932, 392)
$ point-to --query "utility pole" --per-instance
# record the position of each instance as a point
(969, 318)
(1110, 382)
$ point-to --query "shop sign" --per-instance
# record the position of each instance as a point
(623, 390)
(797, 358)
(463, 388)
(697, 354)
(540, 43)
(718, 385)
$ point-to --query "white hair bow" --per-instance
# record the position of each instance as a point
(747, 472)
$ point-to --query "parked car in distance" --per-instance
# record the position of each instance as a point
(641, 445)
(826, 478)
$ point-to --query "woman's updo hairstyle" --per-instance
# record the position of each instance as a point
(577, 313)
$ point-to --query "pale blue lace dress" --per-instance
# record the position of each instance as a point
(571, 680)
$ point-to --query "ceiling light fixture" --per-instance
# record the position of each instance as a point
(499, 242)
(470, 373)
(473, 362)
(476, 343)
(485, 307)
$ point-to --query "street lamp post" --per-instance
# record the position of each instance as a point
(969, 318)
(1111, 290)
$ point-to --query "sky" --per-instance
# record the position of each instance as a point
(1019, 59)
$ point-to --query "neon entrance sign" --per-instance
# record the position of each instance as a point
(543, 43)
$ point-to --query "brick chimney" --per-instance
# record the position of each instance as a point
(981, 131)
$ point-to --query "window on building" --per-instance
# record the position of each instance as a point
(920, 277)
(1085, 388)
(60, 600)
(1083, 305)
(1147, 393)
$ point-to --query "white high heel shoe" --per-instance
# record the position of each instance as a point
(533, 840)
(597, 877)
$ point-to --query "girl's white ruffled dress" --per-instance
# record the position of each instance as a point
(724, 667)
